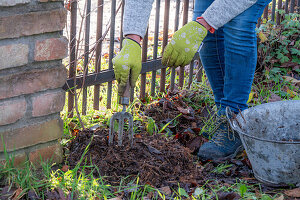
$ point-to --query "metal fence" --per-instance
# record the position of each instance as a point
(152, 66)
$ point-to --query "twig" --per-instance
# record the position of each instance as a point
(242, 115)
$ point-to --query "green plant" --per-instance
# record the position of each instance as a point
(221, 168)
(281, 46)
(242, 189)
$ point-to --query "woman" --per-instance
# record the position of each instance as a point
(228, 54)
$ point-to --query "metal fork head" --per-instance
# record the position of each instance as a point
(121, 117)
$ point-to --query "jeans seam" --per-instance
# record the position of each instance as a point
(216, 36)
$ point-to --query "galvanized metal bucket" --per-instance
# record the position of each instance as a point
(270, 134)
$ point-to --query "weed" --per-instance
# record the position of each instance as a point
(221, 168)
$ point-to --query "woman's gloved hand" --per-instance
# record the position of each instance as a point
(127, 64)
(184, 44)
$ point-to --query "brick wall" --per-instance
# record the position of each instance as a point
(31, 77)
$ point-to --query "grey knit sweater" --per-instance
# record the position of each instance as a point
(137, 12)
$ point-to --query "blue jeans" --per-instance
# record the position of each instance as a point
(229, 56)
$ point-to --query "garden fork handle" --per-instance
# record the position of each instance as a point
(124, 99)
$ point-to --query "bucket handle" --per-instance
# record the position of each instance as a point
(228, 113)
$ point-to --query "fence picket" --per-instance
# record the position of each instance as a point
(176, 24)
(286, 6)
(292, 6)
(155, 46)
(278, 16)
(86, 52)
(144, 59)
(165, 41)
(72, 49)
(185, 19)
(111, 51)
(98, 50)
(273, 10)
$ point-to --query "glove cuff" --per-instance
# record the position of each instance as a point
(131, 40)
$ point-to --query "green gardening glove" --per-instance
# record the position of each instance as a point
(127, 64)
(184, 44)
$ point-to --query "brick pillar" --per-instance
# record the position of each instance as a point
(31, 77)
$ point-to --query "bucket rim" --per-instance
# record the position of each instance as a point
(240, 132)
(265, 140)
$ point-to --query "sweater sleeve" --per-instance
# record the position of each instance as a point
(136, 16)
(222, 11)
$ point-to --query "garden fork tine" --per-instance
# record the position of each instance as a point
(121, 116)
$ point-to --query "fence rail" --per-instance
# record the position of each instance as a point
(99, 76)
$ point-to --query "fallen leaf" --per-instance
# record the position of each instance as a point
(281, 197)
(287, 65)
(17, 193)
(274, 97)
(196, 143)
(65, 168)
(153, 150)
(250, 97)
(291, 79)
(194, 125)
(72, 125)
(262, 37)
(293, 193)
(138, 136)
(183, 110)
(166, 190)
(150, 195)
(292, 93)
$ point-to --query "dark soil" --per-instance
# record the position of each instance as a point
(157, 160)
(161, 159)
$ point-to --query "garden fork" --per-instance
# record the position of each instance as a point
(121, 117)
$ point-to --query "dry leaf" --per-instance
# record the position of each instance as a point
(293, 193)
(274, 97)
(194, 125)
(250, 97)
(262, 37)
(72, 125)
(281, 197)
(292, 93)
(291, 79)
(65, 168)
(17, 193)
(166, 190)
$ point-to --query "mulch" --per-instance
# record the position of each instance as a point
(158, 160)
(162, 159)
